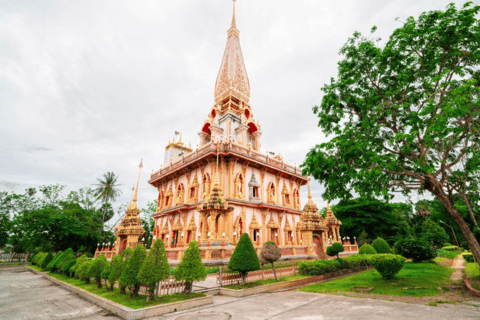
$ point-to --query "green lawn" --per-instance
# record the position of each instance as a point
(134, 303)
(415, 279)
(40, 269)
(262, 282)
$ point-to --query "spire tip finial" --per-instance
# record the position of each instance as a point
(234, 22)
(309, 192)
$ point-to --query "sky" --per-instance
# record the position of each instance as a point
(88, 87)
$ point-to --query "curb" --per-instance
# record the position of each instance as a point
(469, 287)
(126, 312)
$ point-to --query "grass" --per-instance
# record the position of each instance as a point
(40, 269)
(414, 280)
(472, 270)
(448, 254)
(125, 300)
(262, 282)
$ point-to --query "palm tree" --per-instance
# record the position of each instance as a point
(107, 190)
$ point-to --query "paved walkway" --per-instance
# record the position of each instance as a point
(459, 266)
(24, 295)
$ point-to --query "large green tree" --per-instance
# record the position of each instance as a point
(405, 115)
(129, 275)
(155, 268)
(191, 267)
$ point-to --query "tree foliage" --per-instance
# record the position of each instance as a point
(96, 268)
(406, 115)
(116, 268)
(130, 273)
(381, 246)
(244, 258)
(155, 268)
(269, 254)
(191, 267)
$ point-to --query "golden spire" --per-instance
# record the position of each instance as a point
(234, 22)
(140, 166)
(309, 192)
(328, 205)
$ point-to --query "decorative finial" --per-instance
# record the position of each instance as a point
(328, 205)
(234, 22)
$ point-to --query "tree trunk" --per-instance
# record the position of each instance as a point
(111, 287)
(87, 280)
(99, 283)
(122, 289)
(134, 290)
(453, 212)
(188, 287)
(274, 272)
(151, 293)
(244, 277)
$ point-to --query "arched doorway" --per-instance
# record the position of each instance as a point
(318, 246)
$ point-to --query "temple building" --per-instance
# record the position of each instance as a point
(226, 186)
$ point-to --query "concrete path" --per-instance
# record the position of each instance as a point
(24, 295)
(459, 266)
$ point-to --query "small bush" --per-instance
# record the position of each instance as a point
(318, 267)
(356, 261)
(388, 265)
(81, 272)
(472, 271)
(447, 244)
(244, 258)
(367, 249)
(53, 263)
(330, 252)
(381, 246)
(46, 260)
(450, 248)
(464, 245)
(335, 249)
(416, 249)
(467, 256)
(68, 265)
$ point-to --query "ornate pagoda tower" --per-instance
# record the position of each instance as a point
(227, 186)
(130, 229)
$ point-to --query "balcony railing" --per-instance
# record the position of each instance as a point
(227, 147)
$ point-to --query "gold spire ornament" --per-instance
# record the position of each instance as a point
(234, 22)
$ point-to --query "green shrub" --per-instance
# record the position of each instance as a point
(464, 245)
(80, 260)
(66, 268)
(447, 244)
(447, 254)
(244, 259)
(450, 248)
(89, 255)
(416, 249)
(468, 256)
(269, 255)
(96, 268)
(381, 246)
(38, 258)
(356, 261)
(388, 265)
(155, 268)
(46, 260)
(472, 271)
(318, 267)
(367, 249)
(66, 259)
(191, 267)
(335, 249)
(129, 275)
(52, 266)
(116, 268)
(82, 269)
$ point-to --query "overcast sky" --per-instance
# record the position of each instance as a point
(88, 87)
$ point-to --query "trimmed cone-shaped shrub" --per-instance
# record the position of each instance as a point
(388, 265)
(155, 268)
(367, 249)
(46, 260)
(416, 249)
(191, 267)
(381, 246)
(129, 275)
(80, 260)
(82, 269)
(244, 259)
(117, 265)
(66, 259)
(106, 272)
(269, 254)
(126, 255)
(66, 268)
(37, 260)
(96, 268)
(52, 266)
(331, 252)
